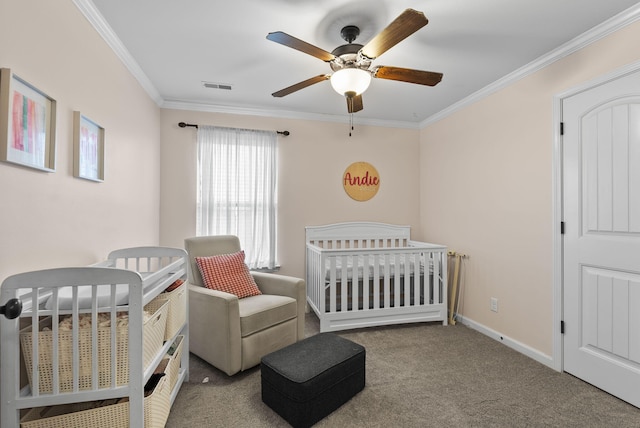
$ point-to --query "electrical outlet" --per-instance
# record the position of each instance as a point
(494, 304)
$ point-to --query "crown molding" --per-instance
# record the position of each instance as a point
(598, 32)
(96, 19)
(284, 114)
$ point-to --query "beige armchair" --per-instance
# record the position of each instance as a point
(234, 334)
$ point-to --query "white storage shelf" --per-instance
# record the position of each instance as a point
(140, 275)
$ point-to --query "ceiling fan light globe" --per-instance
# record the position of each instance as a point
(350, 80)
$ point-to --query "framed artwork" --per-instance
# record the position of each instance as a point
(27, 124)
(88, 148)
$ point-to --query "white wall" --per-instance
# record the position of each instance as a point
(53, 219)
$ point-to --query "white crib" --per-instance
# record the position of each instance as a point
(362, 274)
(81, 367)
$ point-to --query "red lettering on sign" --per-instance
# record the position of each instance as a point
(365, 180)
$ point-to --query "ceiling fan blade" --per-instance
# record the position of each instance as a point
(407, 23)
(354, 104)
(420, 77)
(301, 85)
(302, 46)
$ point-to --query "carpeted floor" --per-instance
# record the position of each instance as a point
(418, 375)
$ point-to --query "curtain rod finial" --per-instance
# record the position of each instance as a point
(184, 125)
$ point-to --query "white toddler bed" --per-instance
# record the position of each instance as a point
(362, 274)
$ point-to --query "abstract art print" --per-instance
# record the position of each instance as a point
(88, 148)
(27, 124)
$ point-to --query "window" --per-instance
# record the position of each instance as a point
(237, 182)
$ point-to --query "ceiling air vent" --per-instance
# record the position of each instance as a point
(213, 85)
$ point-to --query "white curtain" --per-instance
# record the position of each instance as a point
(237, 179)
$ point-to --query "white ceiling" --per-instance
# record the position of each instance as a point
(173, 46)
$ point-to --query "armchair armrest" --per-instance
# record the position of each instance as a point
(282, 285)
(214, 327)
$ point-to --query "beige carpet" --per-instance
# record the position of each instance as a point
(418, 375)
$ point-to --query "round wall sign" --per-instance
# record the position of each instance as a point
(361, 181)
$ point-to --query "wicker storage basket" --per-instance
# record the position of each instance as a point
(153, 334)
(97, 414)
(177, 313)
(173, 368)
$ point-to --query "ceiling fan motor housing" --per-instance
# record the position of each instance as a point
(347, 56)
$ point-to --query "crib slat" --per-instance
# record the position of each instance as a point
(355, 282)
(113, 337)
(397, 277)
(406, 274)
(94, 337)
(387, 284)
(319, 282)
(332, 285)
(436, 279)
(406, 279)
(55, 345)
(376, 281)
(366, 287)
(344, 281)
(35, 350)
(443, 283)
(413, 276)
(74, 340)
(423, 259)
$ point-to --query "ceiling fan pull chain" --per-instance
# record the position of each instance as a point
(350, 123)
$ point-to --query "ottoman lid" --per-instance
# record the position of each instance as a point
(306, 361)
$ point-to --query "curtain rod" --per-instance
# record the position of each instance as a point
(184, 125)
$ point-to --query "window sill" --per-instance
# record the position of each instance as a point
(267, 270)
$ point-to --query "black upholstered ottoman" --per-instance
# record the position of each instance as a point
(308, 380)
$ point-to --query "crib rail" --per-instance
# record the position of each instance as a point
(358, 282)
(156, 265)
(64, 357)
(358, 235)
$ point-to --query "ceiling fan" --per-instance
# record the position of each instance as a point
(351, 63)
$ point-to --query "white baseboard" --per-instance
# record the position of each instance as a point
(547, 360)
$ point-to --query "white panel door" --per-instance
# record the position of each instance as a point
(601, 211)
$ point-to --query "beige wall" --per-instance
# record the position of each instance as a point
(311, 163)
(495, 203)
(53, 219)
(484, 188)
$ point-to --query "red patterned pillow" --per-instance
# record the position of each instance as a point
(228, 273)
